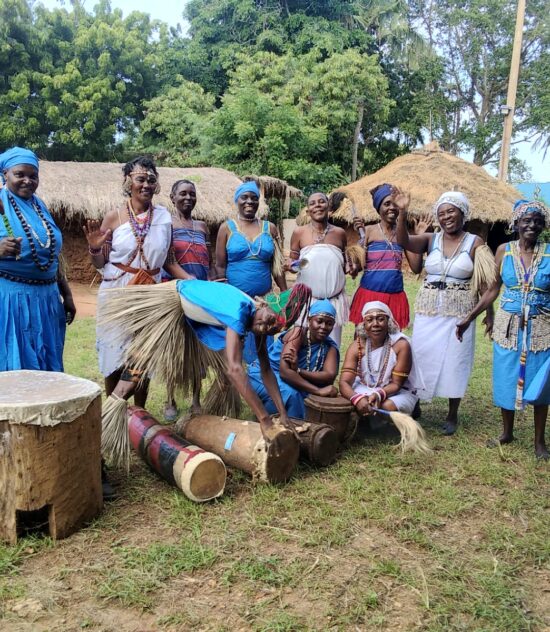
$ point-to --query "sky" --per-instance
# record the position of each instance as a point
(170, 11)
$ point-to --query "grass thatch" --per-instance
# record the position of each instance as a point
(427, 173)
(75, 191)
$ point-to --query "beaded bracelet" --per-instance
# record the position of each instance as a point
(382, 394)
(94, 251)
(357, 397)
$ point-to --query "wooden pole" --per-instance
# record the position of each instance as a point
(511, 97)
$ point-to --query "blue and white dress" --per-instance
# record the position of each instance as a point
(32, 318)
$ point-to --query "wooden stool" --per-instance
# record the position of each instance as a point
(50, 462)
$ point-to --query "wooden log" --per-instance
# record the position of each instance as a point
(241, 445)
(333, 411)
(200, 475)
(50, 461)
(319, 443)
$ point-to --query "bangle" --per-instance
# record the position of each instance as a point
(356, 398)
(94, 251)
(298, 370)
(381, 394)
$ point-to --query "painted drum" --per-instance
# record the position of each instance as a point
(199, 474)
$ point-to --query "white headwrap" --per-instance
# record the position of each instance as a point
(393, 327)
(456, 198)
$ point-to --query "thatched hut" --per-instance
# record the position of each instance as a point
(77, 191)
(426, 173)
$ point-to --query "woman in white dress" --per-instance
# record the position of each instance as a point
(130, 246)
(459, 267)
(378, 370)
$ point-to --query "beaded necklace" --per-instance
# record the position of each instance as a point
(249, 242)
(181, 258)
(140, 230)
(320, 360)
(320, 236)
(29, 233)
(395, 254)
(375, 377)
(446, 263)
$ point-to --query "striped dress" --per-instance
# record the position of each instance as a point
(191, 252)
(382, 281)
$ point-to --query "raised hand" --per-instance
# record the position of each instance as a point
(401, 199)
(94, 235)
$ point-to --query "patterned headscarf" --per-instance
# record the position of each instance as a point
(17, 156)
(290, 304)
(522, 207)
(456, 198)
(325, 307)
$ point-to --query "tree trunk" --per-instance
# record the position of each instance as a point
(355, 145)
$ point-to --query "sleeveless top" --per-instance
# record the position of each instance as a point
(457, 269)
(191, 252)
(383, 268)
(249, 261)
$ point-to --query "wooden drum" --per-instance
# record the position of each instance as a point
(319, 443)
(200, 475)
(333, 411)
(50, 462)
(241, 444)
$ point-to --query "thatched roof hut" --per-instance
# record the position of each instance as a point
(75, 191)
(426, 173)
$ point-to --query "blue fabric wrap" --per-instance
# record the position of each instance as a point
(293, 399)
(323, 306)
(506, 362)
(250, 273)
(24, 266)
(380, 194)
(227, 304)
(18, 156)
(246, 187)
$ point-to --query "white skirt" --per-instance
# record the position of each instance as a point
(445, 362)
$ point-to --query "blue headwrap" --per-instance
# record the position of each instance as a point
(522, 207)
(18, 156)
(379, 195)
(246, 187)
(323, 306)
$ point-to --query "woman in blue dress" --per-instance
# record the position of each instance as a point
(521, 331)
(305, 362)
(247, 249)
(36, 301)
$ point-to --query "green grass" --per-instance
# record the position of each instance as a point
(457, 540)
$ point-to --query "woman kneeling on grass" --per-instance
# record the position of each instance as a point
(305, 362)
(378, 365)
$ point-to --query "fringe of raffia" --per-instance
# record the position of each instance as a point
(484, 275)
(432, 301)
(413, 437)
(152, 316)
(278, 262)
(115, 440)
(223, 400)
(356, 254)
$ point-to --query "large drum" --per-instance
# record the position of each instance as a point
(200, 475)
(333, 411)
(240, 444)
(319, 443)
(50, 462)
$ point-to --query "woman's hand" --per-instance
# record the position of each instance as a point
(70, 310)
(10, 246)
(462, 327)
(328, 391)
(358, 223)
(94, 235)
(290, 356)
(401, 199)
(488, 321)
(363, 406)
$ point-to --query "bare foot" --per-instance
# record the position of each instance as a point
(541, 452)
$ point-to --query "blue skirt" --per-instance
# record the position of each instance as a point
(506, 371)
(32, 327)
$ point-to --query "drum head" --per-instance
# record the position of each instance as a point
(330, 404)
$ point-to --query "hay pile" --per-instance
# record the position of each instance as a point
(426, 174)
